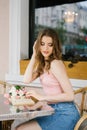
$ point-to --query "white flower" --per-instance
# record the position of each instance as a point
(13, 91)
(17, 92)
(21, 93)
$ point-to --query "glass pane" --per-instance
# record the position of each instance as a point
(70, 21)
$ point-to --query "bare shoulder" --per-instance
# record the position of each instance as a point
(59, 70)
(57, 66)
(57, 63)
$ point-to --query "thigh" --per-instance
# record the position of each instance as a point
(30, 125)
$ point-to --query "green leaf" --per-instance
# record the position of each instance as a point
(18, 87)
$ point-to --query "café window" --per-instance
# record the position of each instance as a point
(67, 20)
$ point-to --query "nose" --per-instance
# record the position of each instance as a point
(46, 47)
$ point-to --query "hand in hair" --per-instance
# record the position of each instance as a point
(34, 50)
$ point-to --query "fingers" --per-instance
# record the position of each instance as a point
(30, 92)
(34, 49)
(34, 44)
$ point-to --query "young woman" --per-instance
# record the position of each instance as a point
(46, 64)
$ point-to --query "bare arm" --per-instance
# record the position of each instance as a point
(28, 76)
(29, 73)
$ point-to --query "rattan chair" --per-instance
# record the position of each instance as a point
(2, 87)
(82, 123)
(4, 125)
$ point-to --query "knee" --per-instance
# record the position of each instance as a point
(17, 128)
(20, 127)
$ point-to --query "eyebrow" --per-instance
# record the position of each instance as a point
(47, 43)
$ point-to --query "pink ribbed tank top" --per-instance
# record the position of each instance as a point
(50, 84)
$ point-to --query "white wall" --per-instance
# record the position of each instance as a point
(14, 16)
(24, 29)
(18, 36)
(4, 38)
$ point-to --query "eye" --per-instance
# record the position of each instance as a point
(42, 43)
(50, 44)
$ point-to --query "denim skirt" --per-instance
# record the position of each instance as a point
(65, 117)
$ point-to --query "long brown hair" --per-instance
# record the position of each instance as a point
(56, 50)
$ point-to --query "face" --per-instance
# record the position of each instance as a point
(46, 46)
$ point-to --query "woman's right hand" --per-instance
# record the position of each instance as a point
(34, 50)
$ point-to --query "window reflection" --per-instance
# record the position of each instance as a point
(70, 20)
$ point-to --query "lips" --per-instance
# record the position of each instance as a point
(45, 52)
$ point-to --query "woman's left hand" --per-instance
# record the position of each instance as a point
(41, 105)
